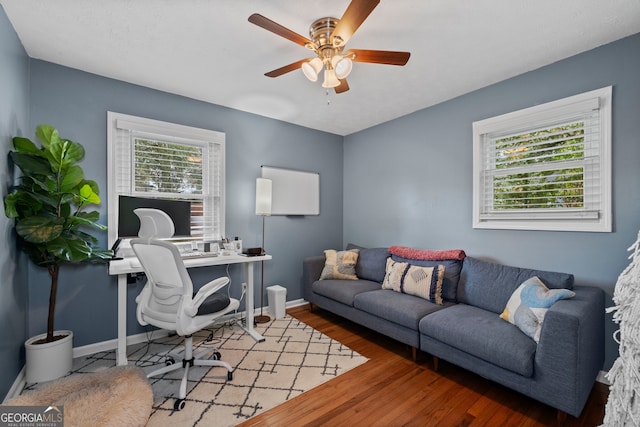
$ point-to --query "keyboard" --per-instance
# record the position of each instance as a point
(135, 263)
(196, 254)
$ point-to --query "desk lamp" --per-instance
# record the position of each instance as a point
(263, 208)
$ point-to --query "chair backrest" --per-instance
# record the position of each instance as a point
(168, 286)
(154, 224)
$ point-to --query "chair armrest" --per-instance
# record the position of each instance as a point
(571, 349)
(311, 271)
(210, 288)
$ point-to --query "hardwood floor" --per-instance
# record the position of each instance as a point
(392, 390)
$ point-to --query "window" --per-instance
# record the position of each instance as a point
(165, 161)
(546, 167)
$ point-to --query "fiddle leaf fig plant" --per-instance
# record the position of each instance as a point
(50, 206)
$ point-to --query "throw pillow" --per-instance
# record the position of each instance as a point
(340, 264)
(372, 264)
(529, 303)
(423, 282)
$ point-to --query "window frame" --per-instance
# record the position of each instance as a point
(532, 119)
(122, 129)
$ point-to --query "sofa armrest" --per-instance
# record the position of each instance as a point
(571, 349)
(311, 271)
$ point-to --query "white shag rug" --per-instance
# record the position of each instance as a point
(112, 397)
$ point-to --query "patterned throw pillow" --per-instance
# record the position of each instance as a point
(340, 264)
(529, 304)
(423, 282)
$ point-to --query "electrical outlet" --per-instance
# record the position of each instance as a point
(244, 286)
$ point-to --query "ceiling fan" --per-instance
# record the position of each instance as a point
(328, 37)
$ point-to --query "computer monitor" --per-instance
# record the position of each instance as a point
(129, 223)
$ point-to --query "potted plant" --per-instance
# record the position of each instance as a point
(49, 205)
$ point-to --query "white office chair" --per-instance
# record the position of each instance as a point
(167, 300)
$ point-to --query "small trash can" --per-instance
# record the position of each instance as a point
(277, 300)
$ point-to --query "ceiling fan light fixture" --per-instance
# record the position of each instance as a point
(312, 68)
(330, 78)
(342, 64)
(327, 39)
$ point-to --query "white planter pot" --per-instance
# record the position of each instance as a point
(46, 362)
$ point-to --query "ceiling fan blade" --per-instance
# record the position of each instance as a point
(287, 68)
(389, 57)
(278, 29)
(344, 86)
(353, 17)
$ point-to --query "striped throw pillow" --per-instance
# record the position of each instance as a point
(423, 282)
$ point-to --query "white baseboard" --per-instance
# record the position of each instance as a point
(89, 349)
(601, 378)
(296, 303)
(18, 385)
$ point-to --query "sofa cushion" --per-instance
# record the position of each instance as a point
(340, 264)
(482, 334)
(452, 268)
(343, 290)
(402, 309)
(371, 264)
(423, 282)
(529, 303)
(489, 286)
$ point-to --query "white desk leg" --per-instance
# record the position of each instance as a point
(121, 350)
(249, 306)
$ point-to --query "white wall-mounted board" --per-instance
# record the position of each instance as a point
(294, 192)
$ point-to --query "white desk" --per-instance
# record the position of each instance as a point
(131, 265)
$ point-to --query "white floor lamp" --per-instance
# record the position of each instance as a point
(263, 208)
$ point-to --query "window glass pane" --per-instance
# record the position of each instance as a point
(197, 219)
(162, 167)
(564, 142)
(533, 187)
(553, 189)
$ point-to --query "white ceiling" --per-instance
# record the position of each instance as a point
(207, 50)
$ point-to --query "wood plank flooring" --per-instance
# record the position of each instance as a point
(393, 390)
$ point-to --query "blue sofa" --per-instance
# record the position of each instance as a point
(466, 330)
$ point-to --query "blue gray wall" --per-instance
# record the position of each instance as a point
(14, 120)
(77, 103)
(409, 182)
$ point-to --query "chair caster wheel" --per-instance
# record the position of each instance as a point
(217, 356)
(230, 376)
(169, 361)
(179, 404)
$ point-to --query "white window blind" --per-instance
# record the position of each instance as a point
(172, 169)
(546, 167)
(153, 159)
